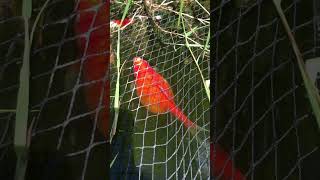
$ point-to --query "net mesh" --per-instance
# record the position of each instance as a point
(65, 143)
(262, 112)
(65, 102)
(162, 147)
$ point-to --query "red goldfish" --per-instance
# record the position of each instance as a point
(222, 165)
(155, 92)
(117, 23)
(97, 56)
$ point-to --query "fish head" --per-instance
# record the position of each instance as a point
(139, 65)
(137, 61)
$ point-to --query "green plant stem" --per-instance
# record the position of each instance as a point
(37, 20)
(14, 110)
(196, 61)
(117, 91)
(20, 135)
(180, 12)
(312, 91)
(113, 160)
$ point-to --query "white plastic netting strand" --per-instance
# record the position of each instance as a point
(262, 114)
(162, 146)
(67, 91)
(65, 143)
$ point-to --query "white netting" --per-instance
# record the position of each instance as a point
(162, 146)
(65, 101)
(261, 115)
(64, 144)
(261, 108)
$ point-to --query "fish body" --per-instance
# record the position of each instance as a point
(155, 92)
(93, 43)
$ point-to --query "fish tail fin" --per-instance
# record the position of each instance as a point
(222, 165)
(184, 119)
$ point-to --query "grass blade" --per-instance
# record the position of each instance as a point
(180, 12)
(37, 20)
(313, 68)
(113, 160)
(117, 91)
(195, 60)
(14, 110)
(20, 134)
(312, 91)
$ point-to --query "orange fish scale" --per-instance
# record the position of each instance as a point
(156, 99)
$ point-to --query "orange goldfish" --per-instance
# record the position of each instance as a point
(117, 23)
(222, 164)
(95, 48)
(155, 92)
(98, 51)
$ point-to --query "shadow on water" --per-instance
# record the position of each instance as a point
(122, 148)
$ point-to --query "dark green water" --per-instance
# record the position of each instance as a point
(262, 107)
(64, 145)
